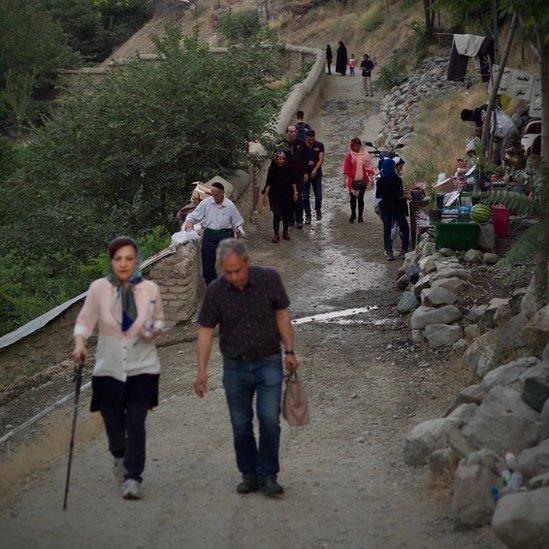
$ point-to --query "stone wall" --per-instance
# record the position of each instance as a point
(179, 274)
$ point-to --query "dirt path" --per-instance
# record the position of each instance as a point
(346, 484)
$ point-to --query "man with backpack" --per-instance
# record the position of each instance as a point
(301, 126)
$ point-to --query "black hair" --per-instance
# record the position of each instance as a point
(218, 186)
(120, 242)
(311, 133)
(300, 114)
(466, 115)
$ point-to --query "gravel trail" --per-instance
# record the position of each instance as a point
(346, 484)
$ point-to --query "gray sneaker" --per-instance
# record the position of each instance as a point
(118, 470)
(132, 489)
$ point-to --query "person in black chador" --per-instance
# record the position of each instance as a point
(329, 58)
(281, 189)
(341, 60)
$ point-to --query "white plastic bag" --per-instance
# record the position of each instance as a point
(504, 126)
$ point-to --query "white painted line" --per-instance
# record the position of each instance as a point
(321, 318)
(334, 314)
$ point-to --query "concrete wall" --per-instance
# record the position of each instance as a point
(178, 275)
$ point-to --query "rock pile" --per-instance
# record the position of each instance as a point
(400, 106)
(506, 411)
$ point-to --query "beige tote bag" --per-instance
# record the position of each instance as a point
(294, 405)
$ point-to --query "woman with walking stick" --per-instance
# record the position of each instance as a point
(125, 378)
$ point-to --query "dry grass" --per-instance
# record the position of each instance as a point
(46, 448)
(372, 18)
(441, 136)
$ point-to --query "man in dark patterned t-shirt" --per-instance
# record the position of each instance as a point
(250, 306)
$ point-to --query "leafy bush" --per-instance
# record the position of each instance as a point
(96, 27)
(32, 43)
(120, 160)
(391, 74)
(420, 40)
(239, 26)
(372, 18)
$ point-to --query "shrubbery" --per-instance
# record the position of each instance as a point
(391, 74)
(239, 26)
(120, 161)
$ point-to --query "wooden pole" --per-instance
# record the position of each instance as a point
(496, 83)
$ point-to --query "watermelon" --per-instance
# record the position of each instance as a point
(481, 213)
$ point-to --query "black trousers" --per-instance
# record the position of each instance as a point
(280, 214)
(360, 200)
(210, 242)
(125, 426)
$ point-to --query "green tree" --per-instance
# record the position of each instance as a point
(120, 159)
(32, 42)
(534, 27)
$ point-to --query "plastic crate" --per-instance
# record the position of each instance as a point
(457, 235)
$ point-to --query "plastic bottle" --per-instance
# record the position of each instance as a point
(506, 476)
(149, 323)
(516, 481)
(511, 460)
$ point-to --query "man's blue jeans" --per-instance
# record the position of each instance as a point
(241, 379)
(316, 184)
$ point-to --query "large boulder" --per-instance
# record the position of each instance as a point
(484, 353)
(535, 461)
(421, 284)
(427, 264)
(504, 422)
(536, 386)
(487, 320)
(433, 297)
(407, 303)
(473, 256)
(521, 520)
(439, 335)
(453, 271)
(427, 437)
(428, 315)
(452, 284)
(536, 333)
(471, 331)
(508, 374)
(463, 413)
(442, 461)
(472, 503)
(529, 305)
(510, 333)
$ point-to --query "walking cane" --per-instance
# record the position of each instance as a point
(78, 383)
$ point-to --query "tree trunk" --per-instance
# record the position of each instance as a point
(494, 94)
(428, 18)
(495, 30)
(542, 256)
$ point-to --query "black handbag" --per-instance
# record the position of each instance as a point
(358, 185)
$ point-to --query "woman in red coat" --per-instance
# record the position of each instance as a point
(358, 171)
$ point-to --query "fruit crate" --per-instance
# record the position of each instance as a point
(457, 235)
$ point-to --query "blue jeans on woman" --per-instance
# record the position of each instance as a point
(242, 379)
(388, 218)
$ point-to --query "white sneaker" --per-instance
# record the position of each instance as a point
(118, 469)
(132, 489)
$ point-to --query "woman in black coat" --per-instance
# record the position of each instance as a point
(282, 192)
(329, 58)
(341, 60)
(392, 206)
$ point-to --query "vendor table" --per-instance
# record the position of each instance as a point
(416, 206)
